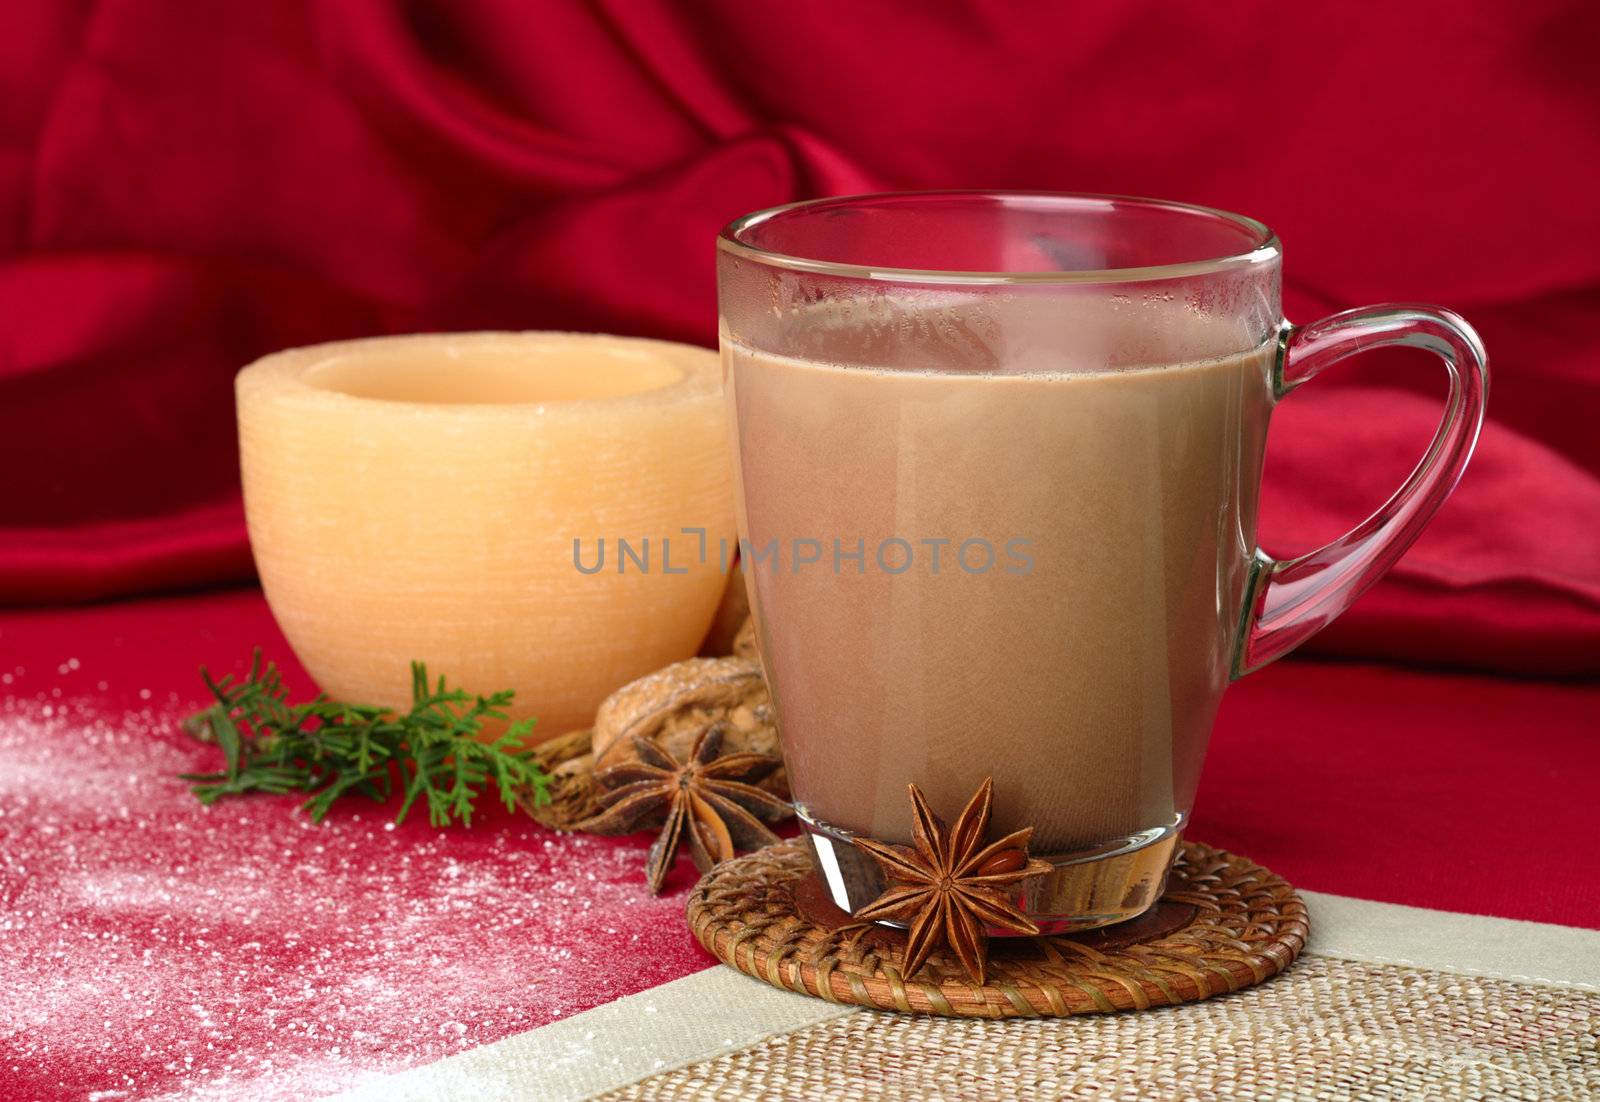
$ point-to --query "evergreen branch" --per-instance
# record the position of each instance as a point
(328, 749)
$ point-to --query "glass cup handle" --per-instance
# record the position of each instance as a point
(1290, 601)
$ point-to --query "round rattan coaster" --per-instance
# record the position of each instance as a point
(1223, 924)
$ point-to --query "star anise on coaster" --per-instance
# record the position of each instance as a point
(709, 797)
(950, 886)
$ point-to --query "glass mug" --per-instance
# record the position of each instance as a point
(998, 458)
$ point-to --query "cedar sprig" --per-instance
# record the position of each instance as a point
(329, 749)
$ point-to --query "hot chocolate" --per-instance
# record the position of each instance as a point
(1004, 566)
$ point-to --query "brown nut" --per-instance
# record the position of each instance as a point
(675, 704)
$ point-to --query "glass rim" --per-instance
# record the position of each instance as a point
(1266, 247)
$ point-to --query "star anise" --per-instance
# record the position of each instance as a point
(712, 799)
(949, 887)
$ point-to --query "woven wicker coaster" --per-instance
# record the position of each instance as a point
(1223, 924)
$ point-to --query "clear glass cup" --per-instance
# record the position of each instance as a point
(998, 461)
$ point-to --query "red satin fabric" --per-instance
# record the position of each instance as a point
(186, 186)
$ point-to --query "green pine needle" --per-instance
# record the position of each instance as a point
(331, 750)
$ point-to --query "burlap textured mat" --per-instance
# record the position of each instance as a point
(1331, 1030)
(1223, 924)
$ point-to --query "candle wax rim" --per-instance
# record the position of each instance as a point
(699, 371)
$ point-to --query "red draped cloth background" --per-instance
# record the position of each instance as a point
(185, 186)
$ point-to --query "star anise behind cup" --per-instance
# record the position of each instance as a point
(949, 887)
(711, 798)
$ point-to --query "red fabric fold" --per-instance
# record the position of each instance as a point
(202, 546)
(183, 189)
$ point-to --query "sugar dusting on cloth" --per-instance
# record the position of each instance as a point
(151, 947)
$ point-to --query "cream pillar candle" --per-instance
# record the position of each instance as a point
(419, 498)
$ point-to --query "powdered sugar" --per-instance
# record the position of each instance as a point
(151, 947)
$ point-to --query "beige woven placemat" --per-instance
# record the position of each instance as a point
(1386, 1002)
(1327, 1030)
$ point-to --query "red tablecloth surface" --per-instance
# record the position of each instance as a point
(149, 944)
